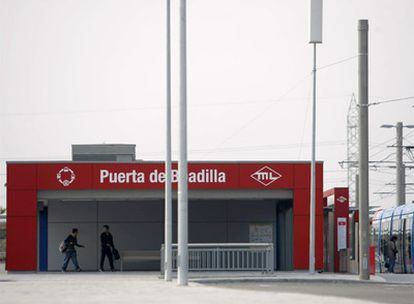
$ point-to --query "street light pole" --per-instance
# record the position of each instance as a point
(315, 38)
(313, 174)
(400, 166)
(182, 258)
(168, 173)
(363, 149)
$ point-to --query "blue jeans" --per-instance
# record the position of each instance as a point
(70, 255)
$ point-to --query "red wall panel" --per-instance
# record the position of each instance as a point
(319, 242)
(302, 176)
(319, 202)
(301, 202)
(301, 242)
(21, 176)
(21, 243)
(21, 202)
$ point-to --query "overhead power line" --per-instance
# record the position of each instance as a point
(391, 100)
(256, 117)
(162, 107)
(337, 62)
(331, 143)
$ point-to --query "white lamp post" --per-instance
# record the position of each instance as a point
(182, 258)
(168, 190)
(315, 38)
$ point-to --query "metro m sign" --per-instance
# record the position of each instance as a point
(266, 176)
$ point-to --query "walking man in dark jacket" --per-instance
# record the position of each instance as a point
(107, 245)
(70, 252)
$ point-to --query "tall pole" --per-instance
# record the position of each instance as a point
(168, 179)
(400, 166)
(182, 162)
(315, 38)
(313, 174)
(363, 149)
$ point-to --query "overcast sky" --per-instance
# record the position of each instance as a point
(93, 71)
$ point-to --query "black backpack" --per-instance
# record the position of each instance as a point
(115, 253)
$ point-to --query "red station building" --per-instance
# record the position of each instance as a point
(45, 200)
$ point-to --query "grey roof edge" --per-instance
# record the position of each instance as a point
(113, 144)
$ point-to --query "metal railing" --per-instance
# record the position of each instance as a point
(226, 257)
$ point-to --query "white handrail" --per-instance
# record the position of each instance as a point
(226, 257)
(209, 245)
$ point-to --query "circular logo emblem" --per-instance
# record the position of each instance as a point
(66, 176)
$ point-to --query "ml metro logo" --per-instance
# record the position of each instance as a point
(341, 199)
(66, 176)
(266, 176)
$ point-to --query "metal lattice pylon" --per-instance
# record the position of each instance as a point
(352, 148)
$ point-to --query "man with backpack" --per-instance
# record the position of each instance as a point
(68, 248)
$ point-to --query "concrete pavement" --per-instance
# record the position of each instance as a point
(131, 288)
(298, 276)
(378, 293)
(147, 287)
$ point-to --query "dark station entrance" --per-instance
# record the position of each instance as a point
(139, 225)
